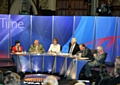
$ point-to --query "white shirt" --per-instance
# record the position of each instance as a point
(36, 47)
(72, 47)
(54, 48)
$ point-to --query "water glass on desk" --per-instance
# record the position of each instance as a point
(70, 55)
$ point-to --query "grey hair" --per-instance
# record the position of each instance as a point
(51, 79)
(48, 83)
(100, 48)
(12, 79)
(80, 83)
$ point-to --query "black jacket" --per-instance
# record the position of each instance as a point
(75, 50)
(86, 53)
(115, 81)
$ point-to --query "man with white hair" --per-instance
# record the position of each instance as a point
(73, 47)
(12, 79)
(99, 59)
(80, 83)
(51, 79)
(48, 83)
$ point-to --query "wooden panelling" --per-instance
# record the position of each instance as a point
(72, 7)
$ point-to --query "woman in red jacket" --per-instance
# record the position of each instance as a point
(17, 47)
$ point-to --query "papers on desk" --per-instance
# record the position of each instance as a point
(20, 53)
(83, 58)
(63, 54)
(54, 54)
(34, 53)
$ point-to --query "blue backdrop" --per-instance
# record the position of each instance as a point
(93, 31)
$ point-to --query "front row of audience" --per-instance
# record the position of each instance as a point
(14, 79)
(104, 77)
(113, 78)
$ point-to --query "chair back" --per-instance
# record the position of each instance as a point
(104, 81)
(11, 49)
(60, 48)
(93, 51)
(105, 58)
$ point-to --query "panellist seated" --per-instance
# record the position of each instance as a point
(99, 59)
(17, 48)
(73, 47)
(85, 52)
(36, 48)
(55, 47)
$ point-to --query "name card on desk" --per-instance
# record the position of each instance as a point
(63, 54)
(52, 54)
(83, 58)
(19, 53)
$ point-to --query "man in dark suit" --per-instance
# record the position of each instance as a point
(73, 47)
(99, 59)
(116, 80)
(85, 52)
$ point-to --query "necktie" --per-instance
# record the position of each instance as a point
(36, 47)
(18, 48)
(71, 49)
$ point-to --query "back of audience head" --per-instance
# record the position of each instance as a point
(103, 69)
(72, 82)
(117, 71)
(48, 83)
(51, 79)
(117, 61)
(12, 79)
(80, 83)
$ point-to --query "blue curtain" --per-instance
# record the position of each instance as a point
(91, 30)
(21, 30)
(4, 36)
(42, 30)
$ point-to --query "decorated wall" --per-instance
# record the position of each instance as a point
(93, 31)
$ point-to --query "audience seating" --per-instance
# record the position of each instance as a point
(98, 67)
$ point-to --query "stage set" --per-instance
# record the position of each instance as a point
(93, 31)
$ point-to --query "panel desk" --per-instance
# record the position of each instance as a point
(62, 64)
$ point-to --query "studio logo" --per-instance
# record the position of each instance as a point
(5, 23)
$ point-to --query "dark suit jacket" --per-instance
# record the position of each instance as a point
(100, 59)
(75, 50)
(86, 53)
(103, 80)
(115, 81)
